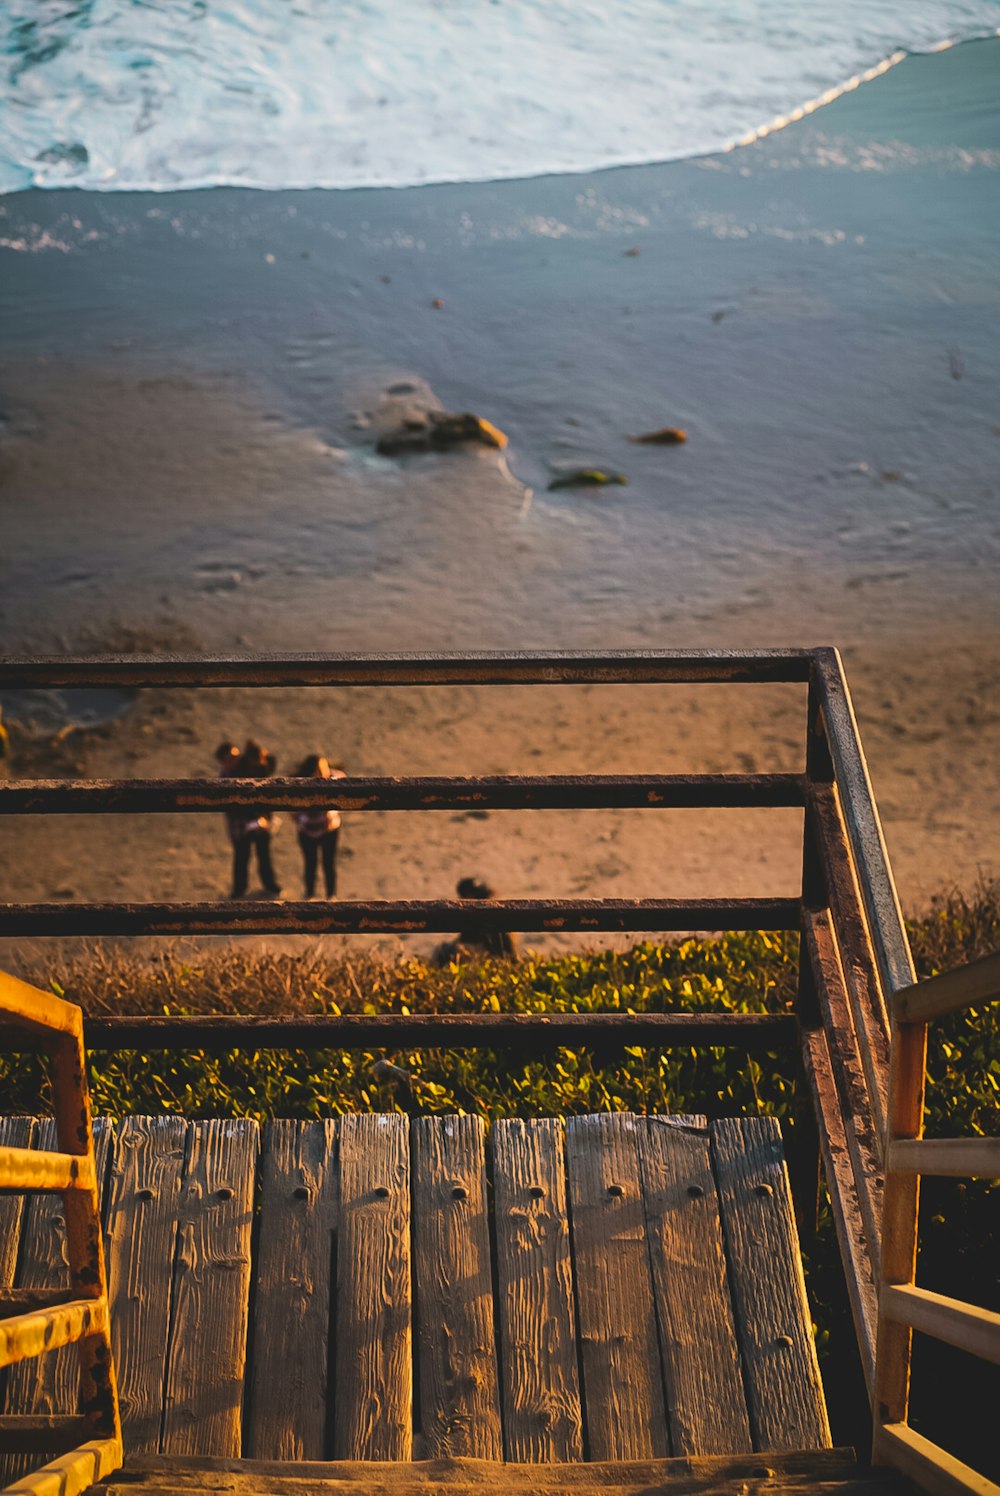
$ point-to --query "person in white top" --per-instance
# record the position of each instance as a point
(319, 828)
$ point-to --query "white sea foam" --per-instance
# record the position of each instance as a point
(163, 94)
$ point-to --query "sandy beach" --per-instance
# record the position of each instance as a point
(190, 384)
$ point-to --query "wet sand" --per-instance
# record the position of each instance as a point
(190, 384)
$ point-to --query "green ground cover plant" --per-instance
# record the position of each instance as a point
(734, 972)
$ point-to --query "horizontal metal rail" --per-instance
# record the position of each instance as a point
(496, 792)
(23, 1169)
(467, 668)
(949, 992)
(398, 916)
(533, 1032)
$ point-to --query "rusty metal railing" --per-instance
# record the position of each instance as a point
(903, 1306)
(854, 949)
(34, 1322)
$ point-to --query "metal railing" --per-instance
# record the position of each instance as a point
(34, 1322)
(903, 1306)
(854, 948)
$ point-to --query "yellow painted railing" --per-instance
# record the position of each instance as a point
(35, 1322)
(903, 1307)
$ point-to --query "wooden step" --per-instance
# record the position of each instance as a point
(828, 1472)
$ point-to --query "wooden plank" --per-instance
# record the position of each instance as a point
(15, 1132)
(966, 1326)
(538, 1350)
(287, 1415)
(409, 1480)
(868, 1006)
(907, 1076)
(962, 1158)
(949, 992)
(863, 1142)
(73, 1473)
(23, 1169)
(706, 1403)
(24, 1336)
(622, 1387)
(141, 1242)
(42, 1433)
(797, 1468)
(851, 1235)
(456, 1352)
(374, 1397)
(933, 1468)
(203, 1411)
(781, 1373)
(50, 1384)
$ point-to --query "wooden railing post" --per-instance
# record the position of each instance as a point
(43, 1322)
(903, 1306)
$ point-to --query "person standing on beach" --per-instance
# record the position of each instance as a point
(319, 828)
(250, 829)
(476, 940)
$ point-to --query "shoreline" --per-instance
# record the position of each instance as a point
(190, 386)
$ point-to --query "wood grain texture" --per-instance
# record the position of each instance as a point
(374, 1381)
(863, 1142)
(538, 1350)
(49, 1384)
(141, 1241)
(207, 1352)
(706, 1404)
(781, 1373)
(851, 1234)
(15, 1132)
(622, 1384)
(287, 1414)
(456, 1353)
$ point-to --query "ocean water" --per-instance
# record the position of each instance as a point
(168, 94)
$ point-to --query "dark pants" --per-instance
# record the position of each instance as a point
(312, 846)
(241, 862)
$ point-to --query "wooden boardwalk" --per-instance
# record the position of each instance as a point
(612, 1288)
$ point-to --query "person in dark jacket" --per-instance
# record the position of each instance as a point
(250, 829)
(475, 939)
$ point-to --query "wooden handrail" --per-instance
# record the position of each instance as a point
(958, 1158)
(950, 992)
(42, 1321)
(903, 1306)
(24, 1169)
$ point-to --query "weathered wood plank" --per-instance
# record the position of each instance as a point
(781, 1373)
(374, 1398)
(376, 1480)
(538, 1351)
(795, 1467)
(847, 1217)
(706, 1403)
(15, 1132)
(622, 1386)
(863, 1143)
(456, 1352)
(51, 1383)
(287, 1415)
(141, 1241)
(206, 1356)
